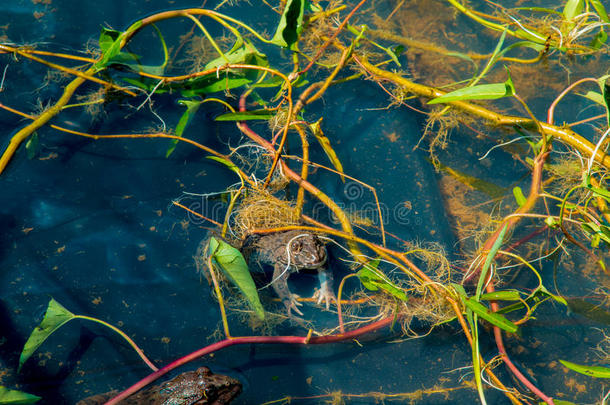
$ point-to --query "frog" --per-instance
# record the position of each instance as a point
(196, 387)
(288, 252)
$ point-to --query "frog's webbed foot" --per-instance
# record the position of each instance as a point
(324, 293)
(292, 304)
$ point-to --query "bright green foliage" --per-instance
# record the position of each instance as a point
(191, 108)
(246, 116)
(373, 280)
(572, 9)
(8, 396)
(31, 146)
(507, 295)
(230, 260)
(478, 92)
(519, 197)
(291, 25)
(494, 318)
(55, 316)
(592, 371)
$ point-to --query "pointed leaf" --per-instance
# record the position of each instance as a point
(591, 371)
(31, 146)
(507, 295)
(291, 25)
(232, 263)
(8, 396)
(479, 92)
(191, 108)
(227, 163)
(600, 10)
(373, 280)
(55, 316)
(519, 197)
(572, 9)
(246, 116)
(495, 319)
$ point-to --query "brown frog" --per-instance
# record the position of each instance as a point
(193, 387)
(289, 252)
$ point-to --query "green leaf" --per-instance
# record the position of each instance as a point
(595, 97)
(373, 280)
(241, 52)
(110, 45)
(508, 295)
(107, 38)
(490, 257)
(232, 263)
(606, 94)
(519, 197)
(478, 92)
(227, 163)
(599, 39)
(55, 316)
(591, 371)
(191, 108)
(290, 25)
(212, 84)
(31, 146)
(8, 396)
(572, 9)
(600, 10)
(246, 116)
(491, 317)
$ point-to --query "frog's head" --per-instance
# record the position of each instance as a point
(307, 251)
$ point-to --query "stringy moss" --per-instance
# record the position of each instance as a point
(261, 210)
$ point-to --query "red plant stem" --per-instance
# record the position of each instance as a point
(301, 340)
(509, 363)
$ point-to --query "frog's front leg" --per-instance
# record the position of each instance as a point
(280, 285)
(325, 292)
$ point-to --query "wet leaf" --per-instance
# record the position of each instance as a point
(572, 9)
(31, 146)
(495, 319)
(246, 116)
(591, 371)
(488, 260)
(326, 146)
(230, 260)
(478, 92)
(242, 53)
(373, 280)
(290, 25)
(508, 295)
(600, 10)
(519, 197)
(55, 316)
(191, 108)
(108, 38)
(559, 402)
(227, 163)
(8, 396)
